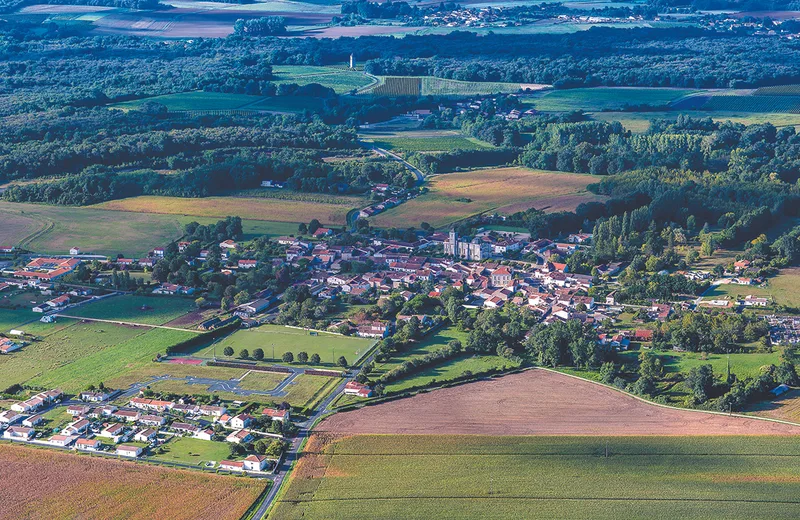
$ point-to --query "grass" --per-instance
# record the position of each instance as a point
(150, 310)
(448, 87)
(306, 390)
(456, 196)
(264, 381)
(198, 100)
(430, 343)
(452, 369)
(12, 318)
(149, 371)
(340, 80)
(193, 451)
(603, 98)
(268, 209)
(639, 122)
(782, 288)
(477, 477)
(425, 141)
(286, 339)
(743, 364)
(750, 103)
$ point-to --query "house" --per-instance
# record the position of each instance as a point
(7, 346)
(61, 440)
(184, 428)
(239, 436)
(501, 276)
(753, 301)
(206, 435)
(214, 411)
(19, 433)
(94, 397)
(579, 238)
(276, 414)
(151, 404)
(611, 298)
(152, 420)
(159, 252)
(146, 435)
(171, 288)
(255, 462)
(76, 427)
(87, 445)
(32, 421)
(357, 389)
(643, 335)
(75, 250)
(374, 329)
(10, 417)
(741, 265)
(228, 244)
(248, 310)
(322, 232)
(230, 465)
(247, 264)
(129, 451)
(241, 421)
(115, 432)
(126, 415)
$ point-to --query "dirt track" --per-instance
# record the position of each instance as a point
(538, 402)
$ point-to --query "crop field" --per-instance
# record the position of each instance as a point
(476, 477)
(424, 141)
(150, 310)
(603, 98)
(198, 100)
(193, 451)
(779, 90)
(432, 86)
(455, 196)
(286, 339)
(268, 209)
(539, 402)
(639, 122)
(395, 86)
(340, 80)
(750, 103)
(52, 484)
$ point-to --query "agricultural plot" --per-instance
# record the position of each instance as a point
(424, 141)
(751, 103)
(285, 339)
(603, 98)
(396, 86)
(539, 402)
(267, 209)
(189, 101)
(779, 90)
(307, 390)
(340, 80)
(439, 339)
(639, 122)
(432, 86)
(150, 310)
(456, 196)
(52, 484)
(743, 364)
(476, 477)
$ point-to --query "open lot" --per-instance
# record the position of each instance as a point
(253, 208)
(52, 484)
(603, 98)
(455, 196)
(340, 80)
(743, 364)
(286, 339)
(538, 402)
(306, 390)
(476, 477)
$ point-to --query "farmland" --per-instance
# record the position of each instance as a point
(603, 98)
(538, 402)
(286, 339)
(526, 477)
(248, 208)
(187, 101)
(432, 86)
(51, 484)
(743, 364)
(455, 196)
(150, 310)
(424, 141)
(305, 390)
(340, 80)
(639, 122)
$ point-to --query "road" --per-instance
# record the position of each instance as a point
(410, 167)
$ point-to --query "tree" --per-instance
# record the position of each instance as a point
(244, 354)
(608, 372)
(288, 357)
(302, 229)
(228, 351)
(315, 360)
(314, 225)
(700, 380)
(342, 362)
(302, 357)
(258, 354)
(261, 446)
(200, 302)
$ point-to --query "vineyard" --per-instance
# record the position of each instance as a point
(449, 87)
(780, 90)
(394, 86)
(759, 103)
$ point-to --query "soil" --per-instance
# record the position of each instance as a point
(539, 402)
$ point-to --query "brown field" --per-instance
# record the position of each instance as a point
(539, 402)
(785, 407)
(248, 208)
(48, 484)
(455, 196)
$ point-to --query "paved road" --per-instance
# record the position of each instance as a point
(410, 167)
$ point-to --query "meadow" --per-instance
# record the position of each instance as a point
(52, 484)
(305, 390)
(340, 80)
(455, 196)
(149, 310)
(469, 477)
(753, 103)
(268, 209)
(197, 100)
(639, 122)
(782, 288)
(286, 339)
(424, 141)
(603, 98)
(187, 450)
(743, 364)
(455, 368)
(432, 86)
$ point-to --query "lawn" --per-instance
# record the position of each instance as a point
(452, 369)
(455, 196)
(187, 101)
(424, 141)
(480, 477)
(783, 288)
(743, 364)
(254, 208)
(603, 98)
(430, 343)
(264, 381)
(10, 319)
(149, 371)
(305, 390)
(286, 339)
(150, 310)
(193, 451)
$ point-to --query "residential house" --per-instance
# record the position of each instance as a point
(357, 389)
(152, 420)
(10, 417)
(77, 427)
(126, 415)
(87, 445)
(77, 410)
(247, 264)
(33, 420)
(146, 435)
(255, 463)
(94, 397)
(276, 414)
(241, 421)
(115, 432)
(184, 428)
(19, 433)
(228, 244)
(61, 440)
(230, 465)
(129, 451)
(7, 346)
(239, 436)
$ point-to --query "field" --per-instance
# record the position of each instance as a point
(750, 103)
(476, 477)
(424, 141)
(538, 402)
(51, 484)
(305, 390)
(432, 86)
(198, 100)
(743, 364)
(253, 208)
(395, 86)
(639, 122)
(193, 451)
(285, 339)
(455, 196)
(340, 80)
(151, 370)
(430, 343)
(150, 310)
(782, 288)
(603, 98)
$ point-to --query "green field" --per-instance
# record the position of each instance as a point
(603, 98)
(639, 122)
(199, 100)
(150, 310)
(430, 343)
(305, 390)
(193, 451)
(477, 477)
(285, 339)
(340, 80)
(743, 364)
(424, 141)
(749, 103)
(782, 288)
(452, 369)
(432, 86)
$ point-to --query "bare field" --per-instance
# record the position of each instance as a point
(455, 196)
(48, 484)
(539, 402)
(248, 208)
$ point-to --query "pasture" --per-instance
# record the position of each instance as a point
(424, 141)
(340, 80)
(197, 100)
(149, 310)
(439, 339)
(451, 369)
(743, 364)
(603, 98)
(305, 390)
(267, 209)
(286, 339)
(479, 477)
(53, 484)
(639, 122)
(395, 86)
(753, 103)
(455, 196)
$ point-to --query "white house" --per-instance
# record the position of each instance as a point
(87, 444)
(32, 421)
(241, 421)
(75, 250)
(255, 462)
(146, 435)
(18, 433)
(10, 417)
(129, 451)
(61, 440)
(230, 465)
(239, 436)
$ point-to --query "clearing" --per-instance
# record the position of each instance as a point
(455, 196)
(52, 484)
(539, 402)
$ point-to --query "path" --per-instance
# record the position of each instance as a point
(386, 153)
